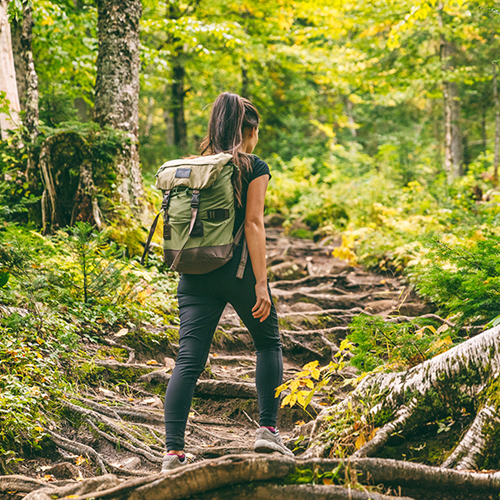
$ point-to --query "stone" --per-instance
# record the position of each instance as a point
(274, 220)
(132, 463)
(229, 317)
(154, 402)
(287, 271)
(377, 306)
(305, 307)
(64, 470)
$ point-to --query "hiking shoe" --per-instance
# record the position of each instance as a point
(171, 462)
(269, 442)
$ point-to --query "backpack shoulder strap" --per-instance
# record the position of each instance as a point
(164, 207)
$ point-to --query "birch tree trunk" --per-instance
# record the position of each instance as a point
(497, 126)
(453, 158)
(30, 77)
(8, 82)
(117, 88)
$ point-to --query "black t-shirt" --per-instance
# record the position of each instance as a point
(259, 168)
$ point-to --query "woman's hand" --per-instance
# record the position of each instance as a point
(262, 306)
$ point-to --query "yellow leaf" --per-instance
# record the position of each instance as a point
(372, 433)
(280, 389)
(80, 460)
(310, 366)
(327, 480)
(309, 383)
(299, 423)
(286, 400)
(48, 477)
(315, 374)
(191, 414)
(152, 362)
(360, 441)
(38, 428)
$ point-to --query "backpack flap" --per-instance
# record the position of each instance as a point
(193, 173)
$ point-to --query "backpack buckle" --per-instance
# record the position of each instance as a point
(195, 199)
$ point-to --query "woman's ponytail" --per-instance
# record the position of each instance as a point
(231, 114)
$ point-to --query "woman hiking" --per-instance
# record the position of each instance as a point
(233, 129)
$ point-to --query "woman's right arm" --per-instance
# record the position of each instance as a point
(255, 235)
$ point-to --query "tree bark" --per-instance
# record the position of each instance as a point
(244, 82)
(30, 77)
(8, 82)
(497, 126)
(453, 159)
(178, 94)
(117, 88)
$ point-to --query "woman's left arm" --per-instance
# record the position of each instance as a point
(255, 235)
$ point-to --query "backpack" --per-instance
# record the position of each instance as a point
(198, 214)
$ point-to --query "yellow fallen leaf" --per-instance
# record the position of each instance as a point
(383, 282)
(48, 477)
(327, 480)
(191, 414)
(80, 460)
(372, 433)
(152, 362)
(360, 441)
(38, 428)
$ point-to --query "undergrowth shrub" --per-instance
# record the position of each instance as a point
(394, 346)
(463, 278)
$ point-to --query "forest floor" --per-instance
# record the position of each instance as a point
(117, 420)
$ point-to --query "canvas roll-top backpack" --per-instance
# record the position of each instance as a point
(198, 214)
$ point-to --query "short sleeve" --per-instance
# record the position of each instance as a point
(259, 168)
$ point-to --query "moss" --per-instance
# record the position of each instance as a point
(152, 343)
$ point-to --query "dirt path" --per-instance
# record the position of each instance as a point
(118, 422)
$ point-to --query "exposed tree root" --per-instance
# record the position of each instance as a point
(383, 434)
(80, 449)
(112, 343)
(214, 479)
(147, 452)
(293, 492)
(474, 442)
(156, 458)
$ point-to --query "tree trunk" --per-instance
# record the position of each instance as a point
(8, 82)
(31, 78)
(244, 82)
(497, 126)
(117, 88)
(350, 117)
(16, 30)
(178, 94)
(453, 138)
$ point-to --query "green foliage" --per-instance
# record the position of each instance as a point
(462, 278)
(395, 346)
(31, 381)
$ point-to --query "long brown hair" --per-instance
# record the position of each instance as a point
(230, 115)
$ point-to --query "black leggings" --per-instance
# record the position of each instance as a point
(202, 299)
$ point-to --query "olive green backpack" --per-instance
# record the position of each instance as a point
(198, 214)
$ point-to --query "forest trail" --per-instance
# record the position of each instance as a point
(118, 420)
